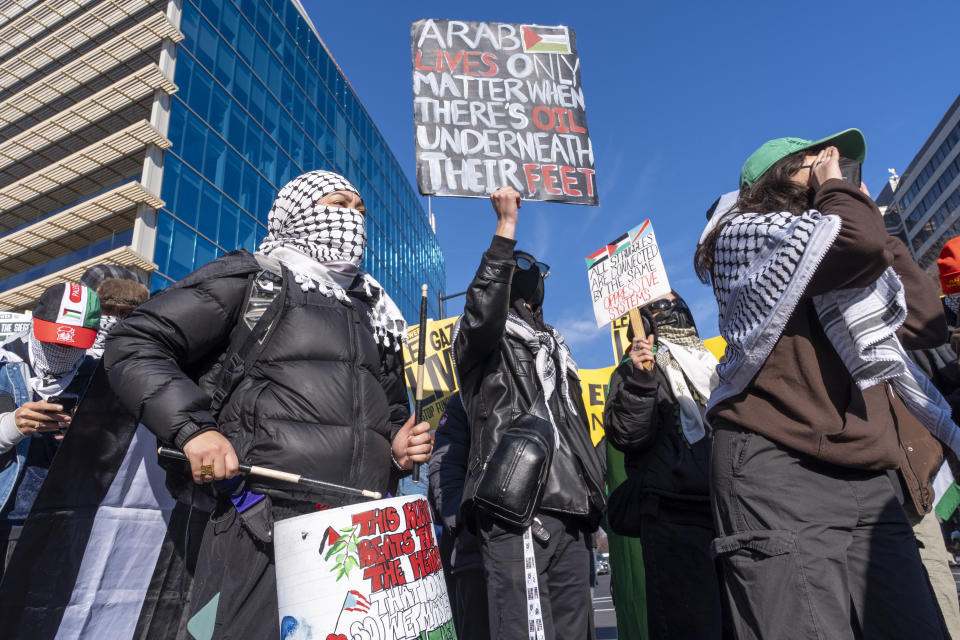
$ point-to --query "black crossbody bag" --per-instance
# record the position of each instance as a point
(514, 476)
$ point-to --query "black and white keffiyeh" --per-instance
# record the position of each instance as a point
(54, 366)
(762, 266)
(323, 232)
(107, 323)
(690, 370)
(552, 360)
(322, 246)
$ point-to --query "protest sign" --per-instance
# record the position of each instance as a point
(369, 570)
(13, 324)
(626, 273)
(595, 383)
(440, 380)
(500, 104)
(618, 333)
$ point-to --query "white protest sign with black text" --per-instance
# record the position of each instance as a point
(500, 104)
(626, 273)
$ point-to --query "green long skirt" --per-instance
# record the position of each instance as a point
(627, 579)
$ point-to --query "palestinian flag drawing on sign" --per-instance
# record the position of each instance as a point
(537, 39)
(619, 244)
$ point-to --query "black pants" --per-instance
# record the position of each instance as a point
(563, 572)
(9, 535)
(682, 585)
(235, 582)
(810, 550)
(468, 599)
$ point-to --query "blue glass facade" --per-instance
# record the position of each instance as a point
(260, 101)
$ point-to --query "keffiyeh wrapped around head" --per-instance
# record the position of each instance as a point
(54, 366)
(323, 245)
(323, 232)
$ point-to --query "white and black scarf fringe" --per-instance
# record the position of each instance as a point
(762, 266)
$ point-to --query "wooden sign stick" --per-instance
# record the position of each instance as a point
(636, 321)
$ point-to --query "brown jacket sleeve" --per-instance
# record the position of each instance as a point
(925, 326)
(860, 253)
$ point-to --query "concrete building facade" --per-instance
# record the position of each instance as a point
(924, 204)
(155, 135)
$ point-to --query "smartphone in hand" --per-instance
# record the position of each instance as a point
(69, 403)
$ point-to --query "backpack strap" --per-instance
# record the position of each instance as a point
(263, 303)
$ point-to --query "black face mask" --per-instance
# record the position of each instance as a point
(527, 285)
(676, 315)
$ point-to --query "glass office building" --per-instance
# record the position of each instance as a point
(255, 100)
(925, 203)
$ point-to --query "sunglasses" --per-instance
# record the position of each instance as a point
(525, 264)
(664, 304)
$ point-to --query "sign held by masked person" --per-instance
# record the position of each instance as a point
(369, 570)
(626, 274)
(440, 380)
(500, 104)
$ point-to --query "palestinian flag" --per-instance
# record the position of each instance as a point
(537, 39)
(619, 244)
(598, 257)
(946, 493)
(106, 551)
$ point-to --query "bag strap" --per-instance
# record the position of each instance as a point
(262, 306)
(535, 629)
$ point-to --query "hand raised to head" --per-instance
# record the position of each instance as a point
(826, 166)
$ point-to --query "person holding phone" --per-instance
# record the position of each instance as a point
(40, 383)
(815, 393)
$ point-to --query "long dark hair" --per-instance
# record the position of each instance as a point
(773, 191)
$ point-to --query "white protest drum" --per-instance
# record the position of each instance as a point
(369, 571)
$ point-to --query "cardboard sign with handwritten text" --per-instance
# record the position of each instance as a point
(626, 273)
(369, 570)
(500, 104)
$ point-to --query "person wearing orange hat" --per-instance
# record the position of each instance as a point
(949, 266)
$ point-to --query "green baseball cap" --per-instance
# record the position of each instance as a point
(850, 143)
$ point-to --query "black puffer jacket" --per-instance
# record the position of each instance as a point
(498, 383)
(323, 399)
(641, 420)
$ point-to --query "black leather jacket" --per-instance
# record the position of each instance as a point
(324, 399)
(498, 383)
(641, 420)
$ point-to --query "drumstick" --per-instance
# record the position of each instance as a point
(421, 349)
(636, 321)
(282, 476)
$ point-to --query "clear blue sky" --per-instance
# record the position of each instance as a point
(678, 94)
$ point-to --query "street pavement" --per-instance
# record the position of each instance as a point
(604, 616)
